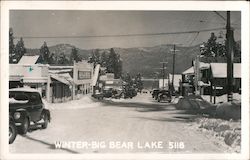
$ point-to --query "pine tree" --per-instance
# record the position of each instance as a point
(74, 56)
(11, 46)
(212, 48)
(138, 82)
(103, 59)
(52, 59)
(112, 62)
(45, 53)
(62, 59)
(95, 57)
(19, 49)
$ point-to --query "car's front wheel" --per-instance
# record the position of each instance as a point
(24, 126)
(12, 132)
(45, 119)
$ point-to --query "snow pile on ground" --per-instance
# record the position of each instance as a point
(227, 132)
(229, 110)
(84, 102)
(191, 102)
(224, 110)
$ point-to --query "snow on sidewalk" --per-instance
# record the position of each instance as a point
(84, 102)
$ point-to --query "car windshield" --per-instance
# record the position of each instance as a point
(23, 97)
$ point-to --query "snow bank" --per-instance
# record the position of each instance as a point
(227, 132)
(191, 102)
(229, 110)
(84, 102)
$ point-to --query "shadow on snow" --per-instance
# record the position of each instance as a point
(50, 145)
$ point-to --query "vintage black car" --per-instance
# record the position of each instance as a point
(155, 92)
(164, 95)
(26, 106)
(12, 130)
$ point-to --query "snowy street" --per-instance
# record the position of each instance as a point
(116, 126)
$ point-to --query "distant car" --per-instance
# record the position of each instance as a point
(164, 95)
(98, 95)
(107, 92)
(144, 91)
(155, 92)
(12, 130)
(26, 106)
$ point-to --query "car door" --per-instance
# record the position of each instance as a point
(37, 106)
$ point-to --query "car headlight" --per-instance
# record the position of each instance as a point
(17, 115)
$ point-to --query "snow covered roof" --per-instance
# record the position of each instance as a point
(64, 78)
(60, 71)
(203, 65)
(28, 59)
(24, 89)
(189, 71)
(219, 70)
(60, 67)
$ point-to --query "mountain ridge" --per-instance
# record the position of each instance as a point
(144, 60)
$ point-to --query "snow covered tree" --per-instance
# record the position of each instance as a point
(19, 49)
(114, 64)
(52, 58)
(103, 59)
(213, 48)
(45, 53)
(95, 57)
(138, 82)
(62, 59)
(11, 46)
(74, 55)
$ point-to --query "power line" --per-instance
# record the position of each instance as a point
(126, 35)
(220, 15)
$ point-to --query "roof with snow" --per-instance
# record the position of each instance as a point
(28, 59)
(63, 78)
(24, 89)
(189, 71)
(219, 70)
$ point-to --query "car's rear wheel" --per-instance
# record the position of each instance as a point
(45, 119)
(12, 132)
(24, 126)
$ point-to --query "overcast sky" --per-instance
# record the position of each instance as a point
(28, 23)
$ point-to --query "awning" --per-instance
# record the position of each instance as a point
(15, 78)
(60, 71)
(63, 78)
(35, 79)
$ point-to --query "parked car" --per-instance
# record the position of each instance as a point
(12, 130)
(26, 106)
(107, 92)
(164, 95)
(155, 92)
(98, 95)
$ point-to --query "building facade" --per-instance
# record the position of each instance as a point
(56, 83)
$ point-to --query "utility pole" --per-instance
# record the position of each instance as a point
(197, 74)
(173, 72)
(230, 56)
(163, 73)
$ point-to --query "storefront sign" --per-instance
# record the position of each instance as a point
(84, 75)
